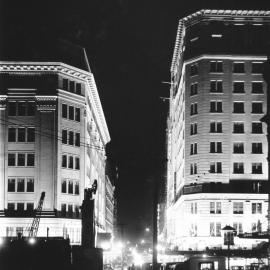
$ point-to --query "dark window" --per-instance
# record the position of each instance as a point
(70, 162)
(77, 163)
(78, 88)
(238, 167)
(193, 109)
(238, 68)
(21, 135)
(77, 190)
(11, 159)
(77, 211)
(257, 107)
(63, 209)
(64, 136)
(193, 129)
(216, 127)
(70, 210)
(12, 108)
(216, 66)
(30, 185)
(64, 186)
(30, 134)
(20, 207)
(22, 108)
(70, 138)
(65, 84)
(11, 185)
(77, 114)
(70, 187)
(30, 207)
(12, 134)
(257, 127)
(216, 106)
(193, 70)
(257, 168)
(193, 168)
(64, 161)
(20, 185)
(238, 107)
(238, 148)
(11, 206)
(215, 147)
(71, 113)
(77, 139)
(30, 160)
(238, 127)
(256, 148)
(238, 87)
(193, 89)
(193, 149)
(21, 160)
(257, 68)
(64, 110)
(72, 86)
(31, 108)
(215, 167)
(216, 86)
(257, 87)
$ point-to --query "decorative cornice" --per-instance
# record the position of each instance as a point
(3, 99)
(46, 98)
(46, 103)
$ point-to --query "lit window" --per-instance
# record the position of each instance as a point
(257, 107)
(238, 208)
(257, 168)
(238, 167)
(215, 229)
(238, 227)
(238, 87)
(238, 148)
(238, 68)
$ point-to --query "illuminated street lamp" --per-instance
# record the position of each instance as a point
(147, 229)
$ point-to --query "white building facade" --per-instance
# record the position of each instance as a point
(52, 138)
(217, 146)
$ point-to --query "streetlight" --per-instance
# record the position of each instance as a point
(147, 229)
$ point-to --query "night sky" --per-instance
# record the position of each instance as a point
(130, 46)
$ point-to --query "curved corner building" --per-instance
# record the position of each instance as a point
(217, 145)
(52, 138)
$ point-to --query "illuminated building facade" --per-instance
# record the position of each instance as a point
(109, 212)
(52, 138)
(217, 146)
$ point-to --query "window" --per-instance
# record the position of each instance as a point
(22, 109)
(21, 160)
(257, 168)
(64, 161)
(30, 185)
(256, 227)
(70, 162)
(216, 87)
(64, 186)
(193, 208)
(193, 69)
(71, 113)
(77, 189)
(238, 167)
(12, 109)
(256, 208)
(20, 185)
(215, 207)
(78, 88)
(64, 110)
(30, 160)
(238, 227)
(77, 139)
(193, 129)
(20, 208)
(11, 206)
(238, 68)
(77, 163)
(30, 134)
(215, 147)
(215, 106)
(77, 114)
(257, 127)
(257, 67)
(216, 66)
(215, 229)
(238, 87)
(77, 211)
(256, 148)
(70, 210)
(238, 127)
(70, 138)
(193, 149)
(72, 86)
(12, 134)
(257, 87)
(238, 107)
(65, 84)
(238, 148)
(63, 209)
(238, 207)
(11, 159)
(70, 187)
(193, 168)
(64, 136)
(21, 135)
(216, 127)
(31, 108)
(193, 108)
(257, 107)
(11, 185)
(215, 167)
(30, 207)
(193, 89)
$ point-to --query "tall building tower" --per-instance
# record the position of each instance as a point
(52, 138)
(217, 146)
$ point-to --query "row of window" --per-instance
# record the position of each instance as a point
(238, 67)
(21, 134)
(70, 186)
(71, 113)
(20, 206)
(21, 108)
(72, 86)
(68, 210)
(238, 168)
(21, 159)
(238, 208)
(216, 86)
(70, 162)
(238, 148)
(70, 138)
(238, 107)
(216, 127)
(20, 184)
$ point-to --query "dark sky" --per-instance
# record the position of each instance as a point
(129, 45)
